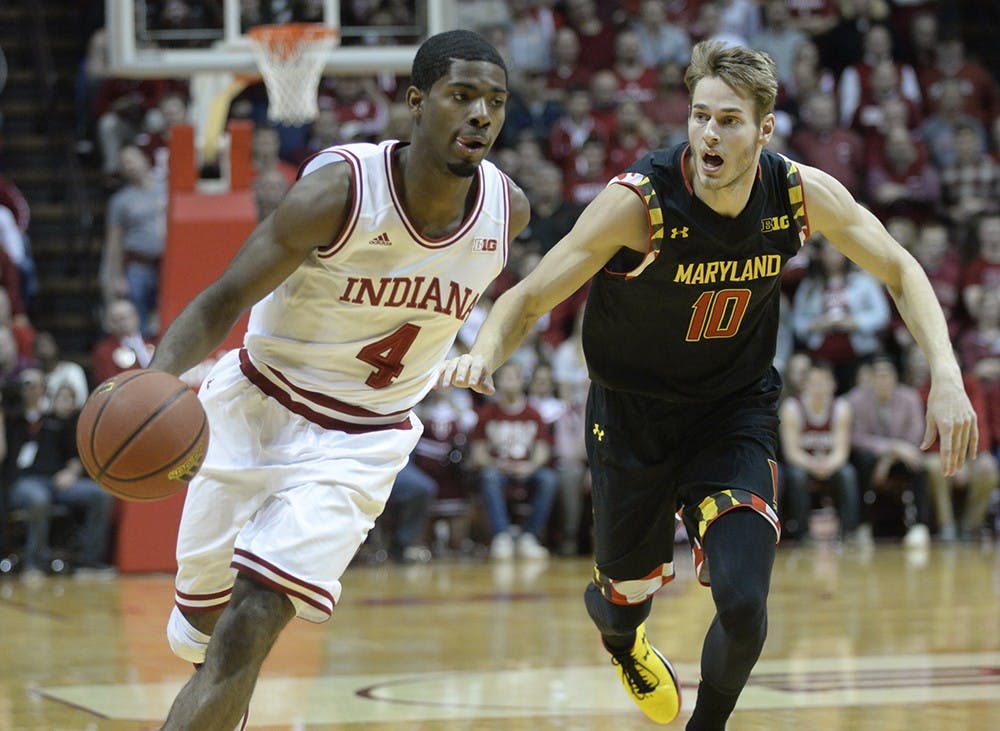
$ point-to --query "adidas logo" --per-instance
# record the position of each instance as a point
(381, 240)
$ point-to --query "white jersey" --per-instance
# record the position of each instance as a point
(357, 332)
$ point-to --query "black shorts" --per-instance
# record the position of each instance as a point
(650, 459)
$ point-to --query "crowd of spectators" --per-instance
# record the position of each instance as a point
(886, 96)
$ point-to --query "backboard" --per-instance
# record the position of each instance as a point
(176, 38)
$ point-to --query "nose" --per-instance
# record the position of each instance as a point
(711, 133)
(479, 113)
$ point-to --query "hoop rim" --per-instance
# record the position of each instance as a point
(271, 33)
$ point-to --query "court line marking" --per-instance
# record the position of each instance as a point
(568, 691)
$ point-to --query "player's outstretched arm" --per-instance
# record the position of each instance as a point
(616, 218)
(861, 237)
(310, 216)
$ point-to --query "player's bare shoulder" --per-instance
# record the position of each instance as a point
(828, 203)
(520, 209)
(316, 207)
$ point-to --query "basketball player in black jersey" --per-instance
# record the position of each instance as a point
(679, 332)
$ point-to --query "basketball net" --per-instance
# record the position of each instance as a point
(291, 57)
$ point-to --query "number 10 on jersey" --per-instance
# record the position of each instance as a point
(717, 314)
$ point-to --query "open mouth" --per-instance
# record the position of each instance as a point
(711, 162)
(472, 144)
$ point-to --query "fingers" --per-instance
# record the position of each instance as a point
(959, 441)
(466, 371)
(960, 445)
(929, 433)
(445, 374)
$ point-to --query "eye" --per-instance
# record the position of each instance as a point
(700, 117)
(499, 102)
(459, 96)
(731, 121)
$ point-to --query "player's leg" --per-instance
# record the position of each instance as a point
(729, 486)
(216, 697)
(633, 544)
(740, 548)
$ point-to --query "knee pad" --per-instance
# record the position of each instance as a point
(186, 642)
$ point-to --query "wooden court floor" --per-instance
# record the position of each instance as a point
(884, 640)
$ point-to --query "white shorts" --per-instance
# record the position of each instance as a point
(279, 498)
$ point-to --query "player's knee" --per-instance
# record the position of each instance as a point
(614, 619)
(187, 642)
(255, 616)
(743, 613)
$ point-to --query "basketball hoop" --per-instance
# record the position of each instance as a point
(291, 57)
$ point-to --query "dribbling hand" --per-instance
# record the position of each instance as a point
(466, 371)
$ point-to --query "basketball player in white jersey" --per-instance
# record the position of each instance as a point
(359, 283)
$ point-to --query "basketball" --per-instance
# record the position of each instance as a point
(142, 435)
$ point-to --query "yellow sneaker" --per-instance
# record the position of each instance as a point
(649, 679)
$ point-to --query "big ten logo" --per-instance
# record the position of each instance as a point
(484, 245)
(774, 223)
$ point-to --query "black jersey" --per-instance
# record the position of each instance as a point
(696, 319)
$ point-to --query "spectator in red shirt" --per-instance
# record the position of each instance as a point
(883, 108)
(362, 109)
(632, 138)
(635, 79)
(605, 95)
(512, 445)
(124, 347)
(596, 35)
(902, 181)
(821, 143)
(579, 124)
(979, 88)
(941, 260)
(855, 85)
(566, 72)
(590, 172)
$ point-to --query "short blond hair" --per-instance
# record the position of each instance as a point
(744, 69)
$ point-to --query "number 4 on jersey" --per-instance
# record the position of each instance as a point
(386, 355)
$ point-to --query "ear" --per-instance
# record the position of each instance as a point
(767, 128)
(415, 101)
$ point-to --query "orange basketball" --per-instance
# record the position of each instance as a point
(142, 435)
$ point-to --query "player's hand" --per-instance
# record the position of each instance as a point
(951, 418)
(466, 371)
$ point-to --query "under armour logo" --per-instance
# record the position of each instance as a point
(598, 432)
(682, 232)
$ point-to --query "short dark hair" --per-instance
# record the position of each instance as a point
(435, 55)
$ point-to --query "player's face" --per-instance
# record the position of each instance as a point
(724, 136)
(460, 117)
